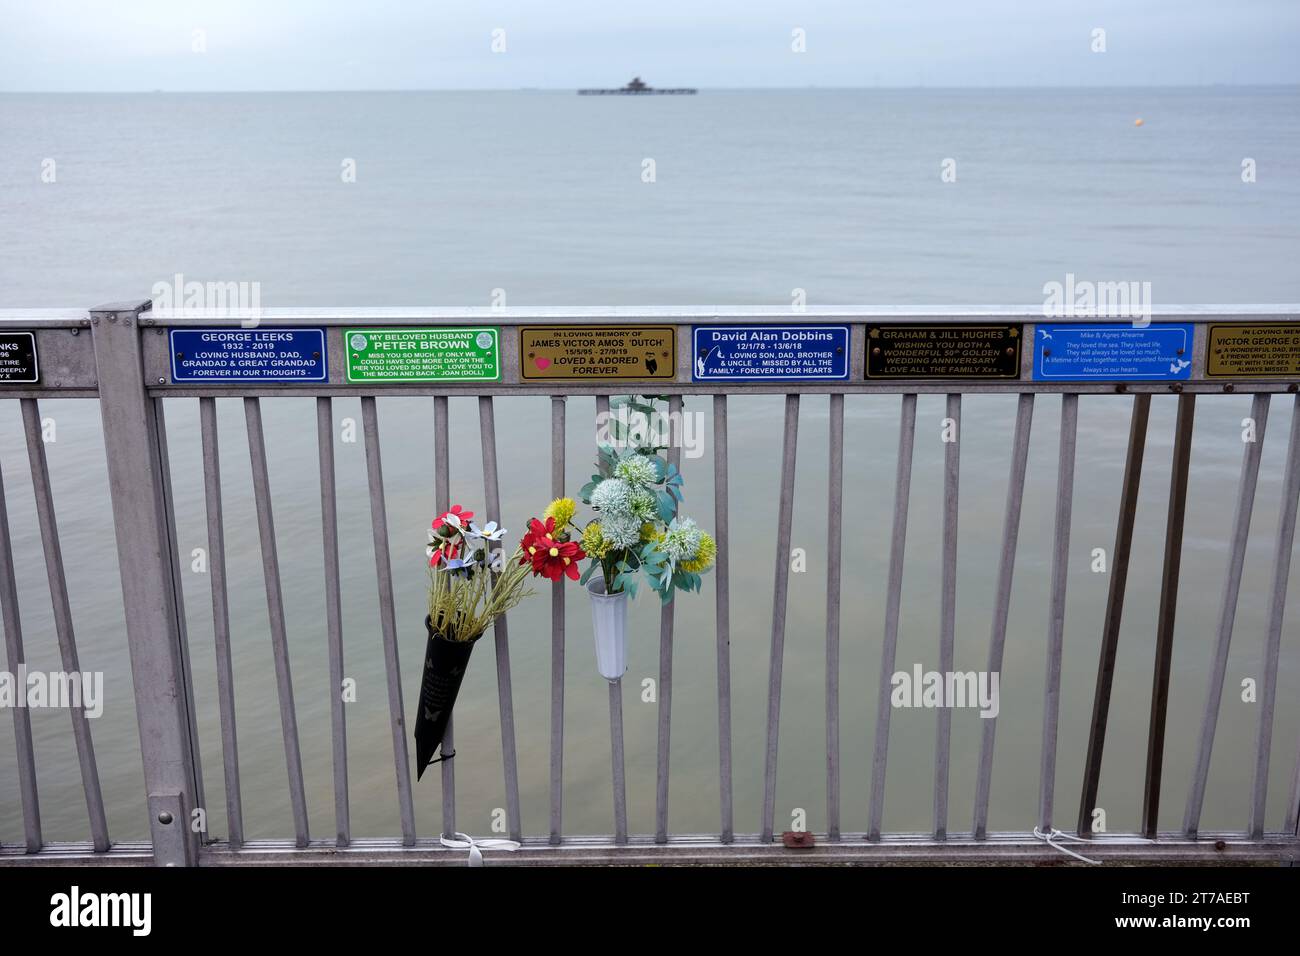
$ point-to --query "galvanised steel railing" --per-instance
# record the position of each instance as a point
(119, 354)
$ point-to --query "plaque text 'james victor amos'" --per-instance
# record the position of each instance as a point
(594, 352)
(943, 351)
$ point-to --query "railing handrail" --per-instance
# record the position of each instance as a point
(630, 315)
(125, 361)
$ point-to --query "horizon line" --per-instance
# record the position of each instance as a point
(720, 89)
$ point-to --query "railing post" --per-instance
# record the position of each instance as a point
(144, 550)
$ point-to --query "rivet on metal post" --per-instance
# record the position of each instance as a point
(164, 818)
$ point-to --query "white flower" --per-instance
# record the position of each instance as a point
(489, 532)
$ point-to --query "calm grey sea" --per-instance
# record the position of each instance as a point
(757, 194)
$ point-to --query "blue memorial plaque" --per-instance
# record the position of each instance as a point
(248, 355)
(1115, 352)
(747, 353)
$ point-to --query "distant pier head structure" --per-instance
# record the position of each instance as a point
(639, 88)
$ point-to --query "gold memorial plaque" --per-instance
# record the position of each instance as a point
(1253, 351)
(597, 353)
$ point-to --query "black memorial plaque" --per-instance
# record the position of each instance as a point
(943, 351)
(18, 357)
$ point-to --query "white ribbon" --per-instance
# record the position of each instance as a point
(465, 842)
(1056, 834)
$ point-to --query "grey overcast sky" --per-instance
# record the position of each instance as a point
(98, 45)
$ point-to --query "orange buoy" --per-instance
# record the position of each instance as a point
(1138, 121)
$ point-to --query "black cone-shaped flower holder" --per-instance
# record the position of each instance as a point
(445, 663)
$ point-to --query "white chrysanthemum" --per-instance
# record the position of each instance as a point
(613, 496)
(636, 470)
(622, 530)
(682, 541)
(644, 505)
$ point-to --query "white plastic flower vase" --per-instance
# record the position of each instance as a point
(609, 620)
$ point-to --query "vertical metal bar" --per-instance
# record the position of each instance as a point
(501, 634)
(666, 616)
(1056, 619)
(834, 505)
(15, 657)
(1002, 600)
(947, 611)
(615, 706)
(147, 562)
(1273, 638)
(63, 617)
(789, 451)
(221, 618)
(557, 637)
(723, 613)
(387, 618)
(894, 591)
(616, 745)
(275, 615)
(1227, 611)
(1168, 610)
(158, 421)
(1137, 440)
(329, 520)
(442, 501)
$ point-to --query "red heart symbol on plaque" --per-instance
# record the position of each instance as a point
(542, 363)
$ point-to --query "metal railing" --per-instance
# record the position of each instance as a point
(119, 355)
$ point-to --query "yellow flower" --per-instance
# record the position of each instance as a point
(704, 557)
(648, 532)
(594, 542)
(562, 510)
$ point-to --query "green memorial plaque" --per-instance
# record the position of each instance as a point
(423, 355)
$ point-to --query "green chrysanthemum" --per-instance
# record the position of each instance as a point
(636, 470)
(681, 542)
(613, 496)
(644, 505)
(621, 530)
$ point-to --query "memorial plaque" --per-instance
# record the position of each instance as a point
(1253, 351)
(423, 355)
(748, 353)
(18, 363)
(943, 351)
(1113, 351)
(248, 355)
(597, 352)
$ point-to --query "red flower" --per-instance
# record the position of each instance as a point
(553, 558)
(444, 553)
(462, 518)
(537, 532)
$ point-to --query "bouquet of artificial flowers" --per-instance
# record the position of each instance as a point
(470, 585)
(635, 533)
